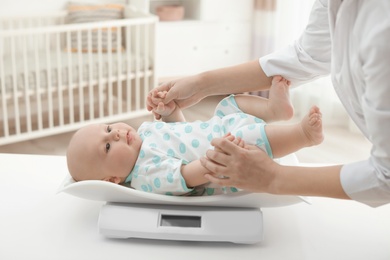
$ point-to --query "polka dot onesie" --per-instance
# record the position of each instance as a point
(167, 146)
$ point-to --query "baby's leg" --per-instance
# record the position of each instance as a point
(277, 107)
(286, 139)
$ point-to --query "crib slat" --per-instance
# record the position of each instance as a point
(38, 83)
(49, 83)
(146, 62)
(59, 81)
(70, 78)
(137, 67)
(26, 86)
(100, 74)
(3, 93)
(109, 64)
(80, 72)
(90, 76)
(15, 87)
(119, 67)
(128, 69)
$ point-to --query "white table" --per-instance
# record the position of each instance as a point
(38, 223)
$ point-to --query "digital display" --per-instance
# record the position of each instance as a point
(180, 221)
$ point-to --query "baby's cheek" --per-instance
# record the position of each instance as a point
(124, 162)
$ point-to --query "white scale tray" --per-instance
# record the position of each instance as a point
(124, 203)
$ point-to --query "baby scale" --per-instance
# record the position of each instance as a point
(130, 213)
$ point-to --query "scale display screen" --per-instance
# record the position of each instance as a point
(180, 221)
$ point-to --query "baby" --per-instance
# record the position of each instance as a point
(163, 157)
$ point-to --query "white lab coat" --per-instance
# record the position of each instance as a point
(351, 40)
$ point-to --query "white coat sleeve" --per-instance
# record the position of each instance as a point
(369, 181)
(309, 57)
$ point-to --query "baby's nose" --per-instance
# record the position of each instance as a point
(115, 135)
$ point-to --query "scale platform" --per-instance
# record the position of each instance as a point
(131, 213)
(190, 223)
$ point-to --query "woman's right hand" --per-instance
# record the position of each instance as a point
(184, 91)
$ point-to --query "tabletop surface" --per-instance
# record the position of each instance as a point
(36, 222)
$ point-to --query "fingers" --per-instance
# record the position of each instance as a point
(214, 168)
(149, 103)
(225, 145)
(220, 181)
(170, 95)
(154, 93)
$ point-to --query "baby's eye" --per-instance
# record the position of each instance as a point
(107, 147)
(108, 129)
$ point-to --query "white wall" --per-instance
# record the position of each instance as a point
(22, 7)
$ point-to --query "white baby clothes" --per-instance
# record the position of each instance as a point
(168, 146)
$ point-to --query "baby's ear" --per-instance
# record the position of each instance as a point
(113, 179)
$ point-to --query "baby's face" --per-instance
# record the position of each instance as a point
(110, 150)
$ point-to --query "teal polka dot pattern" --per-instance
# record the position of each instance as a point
(232, 189)
(188, 129)
(258, 120)
(209, 137)
(242, 115)
(259, 142)
(239, 134)
(224, 131)
(216, 129)
(156, 159)
(251, 127)
(171, 153)
(210, 191)
(220, 114)
(157, 183)
(170, 177)
(166, 137)
(141, 153)
(195, 143)
(182, 148)
(135, 171)
(224, 103)
(204, 125)
(231, 121)
(159, 125)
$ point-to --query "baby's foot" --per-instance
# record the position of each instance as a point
(312, 126)
(279, 99)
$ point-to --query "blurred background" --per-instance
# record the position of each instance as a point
(198, 35)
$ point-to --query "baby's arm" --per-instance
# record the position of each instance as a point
(170, 112)
(193, 173)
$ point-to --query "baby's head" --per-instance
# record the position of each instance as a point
(103, 152)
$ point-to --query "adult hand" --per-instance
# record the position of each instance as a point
(161, 110)
(185, 92)
(248, 168)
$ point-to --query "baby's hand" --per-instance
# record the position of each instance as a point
(160, 108)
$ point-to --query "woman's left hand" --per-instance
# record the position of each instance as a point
(248, 168)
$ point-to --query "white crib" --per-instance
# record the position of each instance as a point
(52, 79)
